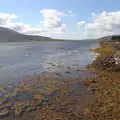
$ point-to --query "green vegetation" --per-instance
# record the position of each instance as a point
(106, 87)
(2, 100)
(104, 49)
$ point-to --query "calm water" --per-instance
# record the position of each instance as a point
(19, 59)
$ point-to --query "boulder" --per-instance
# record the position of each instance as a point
(111, 61)
(29, 109)
(19, 111)
(4, 113)
(2, 100)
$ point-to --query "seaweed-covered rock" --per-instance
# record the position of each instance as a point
(112, 61)
(117, 57)
(4, 113)
(38, 98)
(34, 108)
(29, 109)
(2, 100)
(19, 111)
(6, 105)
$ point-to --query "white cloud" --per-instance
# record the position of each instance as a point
(102, 24)
(52, 20)
(81, 23)
(70, 13)
(34, 31)
(6, 20)
(52, 23)
(105, 23)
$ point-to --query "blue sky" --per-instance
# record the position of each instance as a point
(71, 19)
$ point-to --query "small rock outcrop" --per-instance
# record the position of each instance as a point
(4, 113)
(112, 61)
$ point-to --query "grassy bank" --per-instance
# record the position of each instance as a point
(106, 87)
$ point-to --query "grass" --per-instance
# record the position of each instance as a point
(106, 87)
(104, 49)
(2, 100)
(107, 91)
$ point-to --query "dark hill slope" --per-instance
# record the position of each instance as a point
(8, 35)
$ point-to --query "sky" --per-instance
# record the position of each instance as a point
(62, 19)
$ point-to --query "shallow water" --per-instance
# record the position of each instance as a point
(19, 59)
(27, 71)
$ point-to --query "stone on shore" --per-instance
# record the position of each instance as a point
(4, 113)
(111, 61)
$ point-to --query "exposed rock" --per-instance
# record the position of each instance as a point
(111, 61)
(2, 100)
(117, 57)
(68, 72)
(4, 113)
(19, 111)
(29, 109)
(38, 97)
(34, 108)
(7, 105)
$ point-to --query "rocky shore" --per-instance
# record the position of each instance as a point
(101, 101)
(106, 84)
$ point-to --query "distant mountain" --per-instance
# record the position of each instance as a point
(8, 35)
(111, 38)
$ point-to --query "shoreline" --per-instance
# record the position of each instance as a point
(106, 85)
(103, 94)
